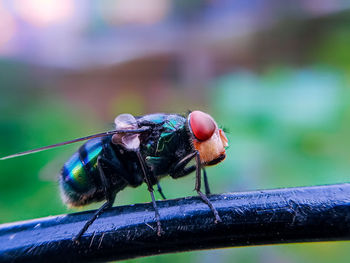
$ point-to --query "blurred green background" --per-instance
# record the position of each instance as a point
(275, 74)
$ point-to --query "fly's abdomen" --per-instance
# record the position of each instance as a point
(79, 173)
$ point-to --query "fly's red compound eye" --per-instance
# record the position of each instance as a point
(202, 125)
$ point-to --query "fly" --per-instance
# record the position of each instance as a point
(140, 149)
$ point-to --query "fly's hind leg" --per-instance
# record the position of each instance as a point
(110, 197)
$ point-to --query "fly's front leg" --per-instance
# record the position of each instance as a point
(180, 168)
(110, 197)
(150, 189)
(198, 189)
(206, 183)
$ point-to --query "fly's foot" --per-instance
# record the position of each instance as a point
(212, 208)
(159, 226)
(159, 229)
(76, 240)
(217, 219)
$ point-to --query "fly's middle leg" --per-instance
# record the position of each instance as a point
(160, 190)
(150, 189)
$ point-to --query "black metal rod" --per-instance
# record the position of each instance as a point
(306, 214)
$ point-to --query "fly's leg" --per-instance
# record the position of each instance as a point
(190, 169)
(181, 173)
(181, 170)
(198, 189)
(150, 189)
(105, 206)
(110, 197)
(161, 191)
(206, 183)
(159, 227)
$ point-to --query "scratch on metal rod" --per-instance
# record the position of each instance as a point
(149, 226)
(92, 239)
(99, 245)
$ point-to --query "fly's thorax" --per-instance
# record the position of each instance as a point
(166, 143)
(166, 135)
(207, 138)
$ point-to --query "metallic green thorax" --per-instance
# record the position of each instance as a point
(166, 143)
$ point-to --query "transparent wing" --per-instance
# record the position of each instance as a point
(102, 134)
(129, 141)
(125, 121)
(49, 172)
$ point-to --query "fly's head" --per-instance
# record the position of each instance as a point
(207, 138)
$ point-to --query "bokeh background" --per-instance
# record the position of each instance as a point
(274, 73)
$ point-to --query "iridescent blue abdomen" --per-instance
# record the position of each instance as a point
(78, 175)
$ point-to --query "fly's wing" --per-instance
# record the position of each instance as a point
(127, 140)
(124, 131)
(49, 171)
